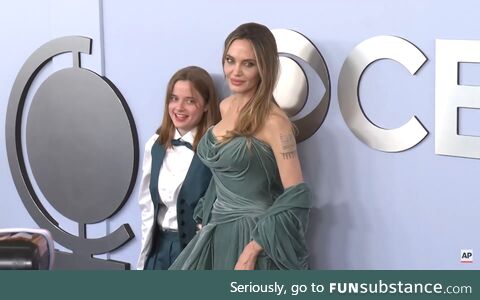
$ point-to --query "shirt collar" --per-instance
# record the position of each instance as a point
(187, 137)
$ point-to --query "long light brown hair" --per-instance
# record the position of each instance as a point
(253, 115)
(202, 82)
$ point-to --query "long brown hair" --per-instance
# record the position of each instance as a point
(253, 115)
(202, 82)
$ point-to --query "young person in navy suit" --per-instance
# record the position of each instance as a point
(174, 178)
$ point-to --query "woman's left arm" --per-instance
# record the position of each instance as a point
(281, 139)
(279, 135)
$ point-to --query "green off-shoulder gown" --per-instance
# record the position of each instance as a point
(246, 201)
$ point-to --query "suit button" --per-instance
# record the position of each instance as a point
(184, 235)
(182, 201)
(182, 223)
(182, 211)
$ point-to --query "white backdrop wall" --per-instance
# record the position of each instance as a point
(372, 210)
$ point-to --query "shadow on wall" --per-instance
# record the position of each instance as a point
(335, 213)
(221, 86)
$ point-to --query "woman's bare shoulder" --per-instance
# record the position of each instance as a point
(278, 121)
(277, 125)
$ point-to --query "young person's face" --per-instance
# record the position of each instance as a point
(186, 106)
(240, 68)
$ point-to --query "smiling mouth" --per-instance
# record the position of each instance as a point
(180, 116)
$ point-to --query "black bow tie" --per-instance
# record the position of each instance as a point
(179, 142)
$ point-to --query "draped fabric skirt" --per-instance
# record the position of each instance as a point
(219, 244)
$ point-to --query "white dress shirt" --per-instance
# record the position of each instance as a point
(172, 174)
(176, 163)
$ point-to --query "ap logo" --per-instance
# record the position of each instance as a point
(466, 256)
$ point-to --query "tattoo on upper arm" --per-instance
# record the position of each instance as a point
(288, 146)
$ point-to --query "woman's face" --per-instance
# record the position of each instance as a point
(240, 68)
(186, 106)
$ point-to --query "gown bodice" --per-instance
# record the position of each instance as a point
(245, 173)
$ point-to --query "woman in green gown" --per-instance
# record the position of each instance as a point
(255, 211)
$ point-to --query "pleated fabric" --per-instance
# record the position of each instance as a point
(246, 201)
